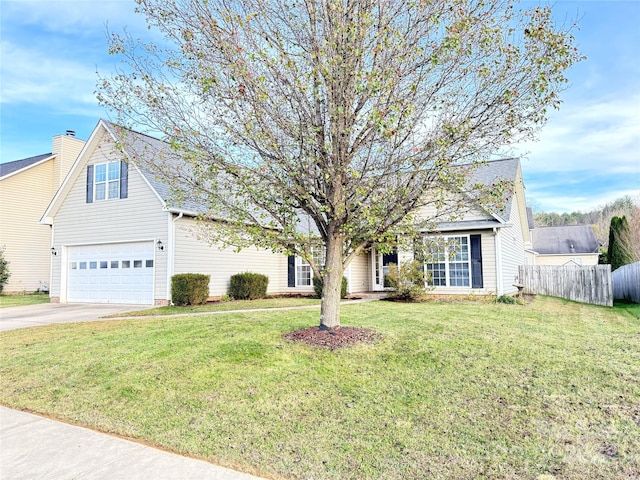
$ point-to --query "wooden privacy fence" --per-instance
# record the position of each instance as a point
(626, 283)
(590, 284)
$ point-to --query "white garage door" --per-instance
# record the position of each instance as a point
(111, 273)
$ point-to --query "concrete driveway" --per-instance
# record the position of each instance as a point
(47, 313)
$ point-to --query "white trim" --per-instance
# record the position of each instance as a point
(47, 217)
(498, 245)
(106, 181)
(300, 262)
(448, 261)
(171, 250)
(131, 162)
(51, 262)
(80, 162)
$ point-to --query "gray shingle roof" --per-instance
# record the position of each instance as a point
(12, 167)
(499, 170)
(570, 239)
(140, 146)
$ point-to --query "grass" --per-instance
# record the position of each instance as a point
(450, 391)
(25, 299)
(270, 302)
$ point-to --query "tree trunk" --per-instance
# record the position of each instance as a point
(331, 284)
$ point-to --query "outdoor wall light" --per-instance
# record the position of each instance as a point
(53, 251)
(159, 245)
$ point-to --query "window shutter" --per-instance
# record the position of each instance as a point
(291, 271)
(124, 179)
(89, 183)
(476, 262)
(388, 258)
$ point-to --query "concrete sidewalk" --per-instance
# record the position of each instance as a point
(36, 447)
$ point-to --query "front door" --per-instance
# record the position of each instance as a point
(380, 268)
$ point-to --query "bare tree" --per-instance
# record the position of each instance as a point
(331, 122)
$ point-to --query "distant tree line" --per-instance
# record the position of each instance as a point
(599, 219)
(616, 226)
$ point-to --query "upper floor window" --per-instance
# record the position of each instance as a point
(107, 181)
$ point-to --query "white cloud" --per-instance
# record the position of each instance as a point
(75, 17)
(588, 136)
(32, 76)
(552, 202)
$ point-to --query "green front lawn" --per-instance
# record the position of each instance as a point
(26, 299)
(269, 302)
(450, 390)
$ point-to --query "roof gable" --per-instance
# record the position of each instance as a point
(102, 129)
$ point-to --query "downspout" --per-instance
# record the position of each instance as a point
(51, 263)
(499, 286)
(171, 251)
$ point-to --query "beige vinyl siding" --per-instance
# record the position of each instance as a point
(430, 212)
(584, 260)
(512, 249)
(66, 149)
(489, 282)
(359, 274)
(197, 256)
(23, 199)
(139, 217)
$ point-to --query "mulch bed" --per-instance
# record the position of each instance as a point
(340, 337)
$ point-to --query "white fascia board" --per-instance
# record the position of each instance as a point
(49, 213)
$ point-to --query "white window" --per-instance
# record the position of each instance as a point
(304, 272)
(448, 263)
(106, 181)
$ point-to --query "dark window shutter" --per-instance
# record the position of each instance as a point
(476, 262)
(388, 258)
(89, 183)
(291, 271)
(124, 179)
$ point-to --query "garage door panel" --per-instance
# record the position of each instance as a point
(111, 273)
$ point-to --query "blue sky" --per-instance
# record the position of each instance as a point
(587, 155)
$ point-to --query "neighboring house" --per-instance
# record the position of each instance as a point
(570, 245)
(117, 239)
(26, 189)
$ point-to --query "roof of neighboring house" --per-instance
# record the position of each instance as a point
(12, 167)
(564, 240)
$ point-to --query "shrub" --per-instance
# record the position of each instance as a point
(408, 281)
(190, 289)
(508, 299)
(317, 287)
(248, 286)
(4, 270)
